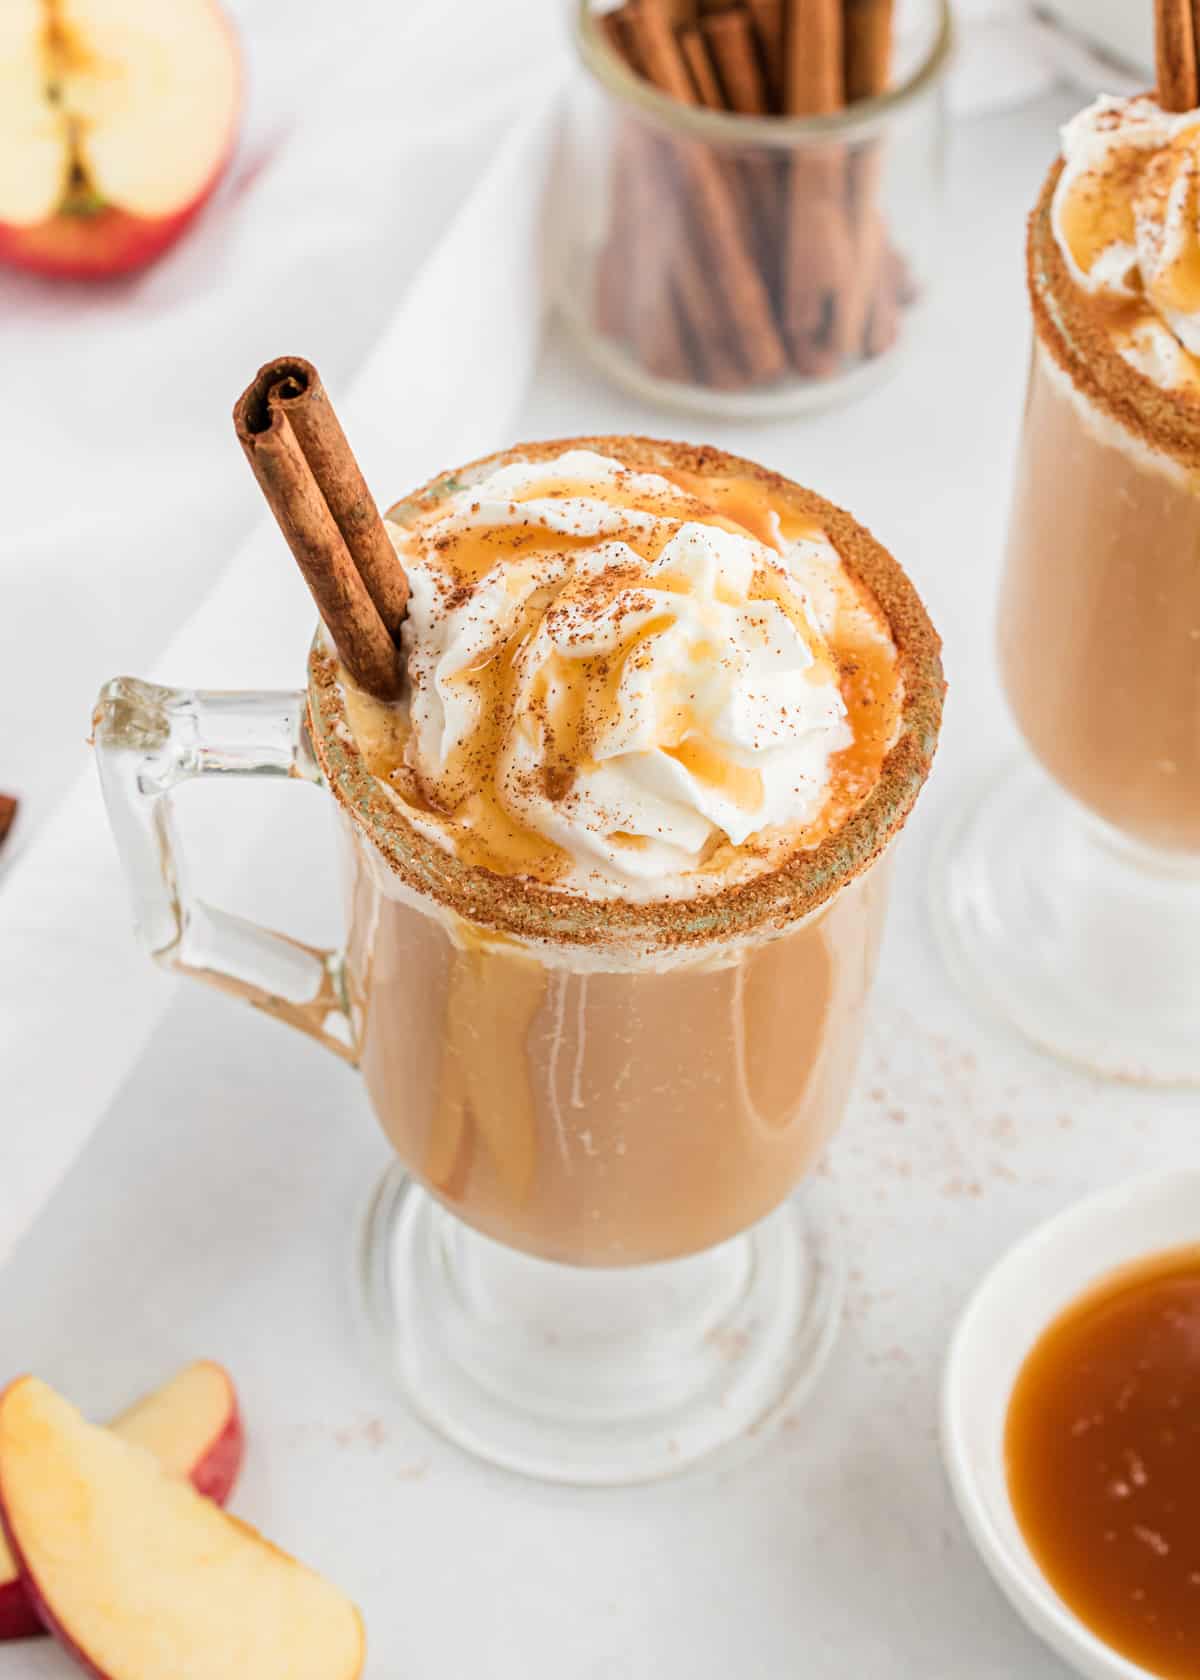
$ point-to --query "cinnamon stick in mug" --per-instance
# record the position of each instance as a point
(306, 470)
(1175, 55)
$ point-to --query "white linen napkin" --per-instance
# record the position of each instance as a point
(414, 284)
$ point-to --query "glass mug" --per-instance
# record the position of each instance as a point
(587, 1263)
(1070, 896)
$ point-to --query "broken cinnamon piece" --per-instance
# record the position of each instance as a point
(1175, 55)
(867, 48)
(711, 209)
(8, 814)
(268, 429)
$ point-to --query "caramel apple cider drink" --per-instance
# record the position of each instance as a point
(630, 731)
(1100, 614)
(1079, 916)
(613, 913)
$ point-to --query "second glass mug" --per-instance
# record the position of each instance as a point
(588, 1263)
(1070, 894)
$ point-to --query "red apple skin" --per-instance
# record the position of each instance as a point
(214, 1474)
(217, 1469)
(47, 1622)
(98, 246)
(18, 1618)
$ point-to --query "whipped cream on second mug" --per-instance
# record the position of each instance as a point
(1126, 217)
(616, 687)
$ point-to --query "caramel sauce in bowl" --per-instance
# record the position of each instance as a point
(1058, 1395)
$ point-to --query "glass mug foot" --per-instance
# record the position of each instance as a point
(596, 1376)
(1088, 945)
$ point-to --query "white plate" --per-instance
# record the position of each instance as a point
(1016, 1301)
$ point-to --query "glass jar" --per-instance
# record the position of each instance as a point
(750, 265)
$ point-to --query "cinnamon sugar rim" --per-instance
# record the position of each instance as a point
(1073, 328)
(769, 902)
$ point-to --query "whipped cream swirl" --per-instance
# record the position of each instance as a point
(612, 683)
(1126, 216)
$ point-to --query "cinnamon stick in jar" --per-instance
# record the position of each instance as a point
(867, 48)
(718, 240)
(819, 256)
(733, 50)
(768, 19)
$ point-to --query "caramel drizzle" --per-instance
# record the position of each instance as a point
(1102, 209)
(572, 700)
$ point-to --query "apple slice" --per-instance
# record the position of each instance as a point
(117, 118)
(140, 1577)
(193, 1427)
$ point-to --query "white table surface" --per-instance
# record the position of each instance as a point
(213, 1212)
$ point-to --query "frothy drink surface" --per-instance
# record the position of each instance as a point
(608, 1004)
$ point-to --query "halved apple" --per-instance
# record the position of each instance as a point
(142, 1578)
(117, 118)
(192, 1425)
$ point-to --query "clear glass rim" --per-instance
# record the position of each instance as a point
(729, 128)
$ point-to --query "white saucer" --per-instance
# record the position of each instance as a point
(1017, 1300)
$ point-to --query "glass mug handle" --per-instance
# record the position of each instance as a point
(150, 739)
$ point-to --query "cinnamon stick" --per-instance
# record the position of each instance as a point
(734, 52)
(280, 418)
(867, 49)
(8, 814)
(663, 347)
(813, 49)
(1175, 55)
(718, 238)
(730, 40)
(768, 29)
(819, 262)
(700, 68)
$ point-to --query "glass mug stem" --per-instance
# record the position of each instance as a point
(149, 740)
